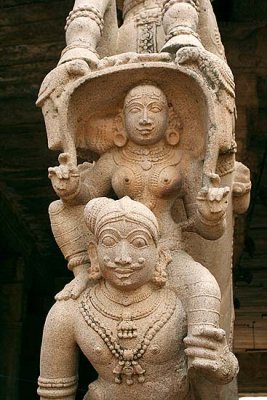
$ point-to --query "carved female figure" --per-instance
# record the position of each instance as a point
(128, 324)
(148, 166)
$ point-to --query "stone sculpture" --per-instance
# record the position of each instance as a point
(128, 324)
(147, 165)
(159, 128)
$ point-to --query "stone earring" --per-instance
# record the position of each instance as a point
(172, 137)
(120, 137)
(94, 271)
(160, 275)
(174, 127)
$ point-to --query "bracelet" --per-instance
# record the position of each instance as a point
(182, 30)
(78, 46)
(57, 387)
(207, 222)
(89, 12)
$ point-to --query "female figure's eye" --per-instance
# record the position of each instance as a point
(139, 242)
(108, 241)
(155, 109)
(134, 110)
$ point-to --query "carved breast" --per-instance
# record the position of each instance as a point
(128, 181)
(145, 180)
(166, 182)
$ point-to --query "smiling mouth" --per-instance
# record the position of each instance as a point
(123, 273)
(145, 131)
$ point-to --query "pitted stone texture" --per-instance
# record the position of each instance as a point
(128, 323)
(160, 128)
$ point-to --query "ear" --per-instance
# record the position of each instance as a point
(94, 271)
(120, 136)
(174, 127)
(160, 274)
(120, 139)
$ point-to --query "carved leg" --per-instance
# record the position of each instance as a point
(197, 289)
(72, 237)
(180, 22)
(84, 28)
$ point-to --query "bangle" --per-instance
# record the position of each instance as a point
(86, 12)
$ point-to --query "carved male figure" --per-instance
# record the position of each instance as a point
(128, 324)
(150, 26)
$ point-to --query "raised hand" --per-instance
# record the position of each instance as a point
(209, 354)
(65, 178)
(212, 203)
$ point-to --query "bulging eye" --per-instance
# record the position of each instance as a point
(139, 242)
(108, 241)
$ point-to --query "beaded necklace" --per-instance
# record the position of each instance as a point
(126, 327)
(128, 358)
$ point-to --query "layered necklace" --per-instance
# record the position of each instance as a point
(146, 157)
(97, 302)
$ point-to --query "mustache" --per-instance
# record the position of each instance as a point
(120, 265)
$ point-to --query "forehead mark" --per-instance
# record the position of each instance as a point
(147, 102)
(145, 91)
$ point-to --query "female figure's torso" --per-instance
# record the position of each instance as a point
(154, 179)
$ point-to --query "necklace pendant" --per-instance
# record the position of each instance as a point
(146, 165)
(128, 367)
(127, 329)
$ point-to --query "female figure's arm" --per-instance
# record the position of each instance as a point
(77, 185)
(59, 353)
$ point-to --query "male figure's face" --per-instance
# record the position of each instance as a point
(127, 254)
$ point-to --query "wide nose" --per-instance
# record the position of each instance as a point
(123, 257)
(145, 120)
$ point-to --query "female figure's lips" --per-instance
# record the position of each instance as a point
(145, 129)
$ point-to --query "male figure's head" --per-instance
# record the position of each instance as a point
(126, 251)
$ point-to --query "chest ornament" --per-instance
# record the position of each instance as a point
(128, 358)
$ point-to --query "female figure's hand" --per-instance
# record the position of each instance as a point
(212, 203)
(65, 178)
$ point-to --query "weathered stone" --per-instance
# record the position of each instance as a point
(163, 134)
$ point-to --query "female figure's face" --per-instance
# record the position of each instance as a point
(145, 115)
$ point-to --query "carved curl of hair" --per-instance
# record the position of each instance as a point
(160, 275)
